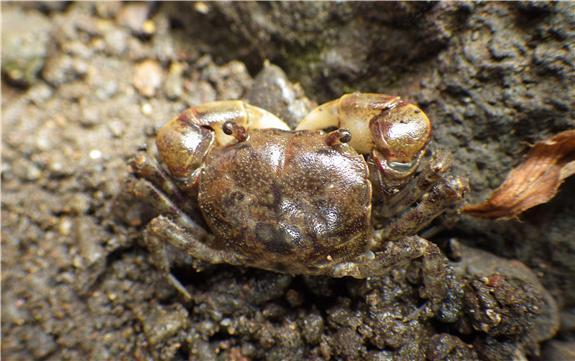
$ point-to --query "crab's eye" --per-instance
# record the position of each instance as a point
(235, 130)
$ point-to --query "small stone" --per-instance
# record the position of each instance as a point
(174, 85)
(77, 204)
(312, 328)
(134, 16)
(25, 39)
(149, 27)
(116, 41)
(108, 9)
(62, 69)
(201, 7)
(161, 323)
(231, 79)
(40, 93)
(39, 343)
(147, 109)
(90, 115)
(26, 170)
(65, 226)
(199, 92)
(148, 77)
(273, 91)
(116, 128)
(294, 298)
(95, 154)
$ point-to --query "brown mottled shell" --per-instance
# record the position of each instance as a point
(286, 198)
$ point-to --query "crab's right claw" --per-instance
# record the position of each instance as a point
(184, 142)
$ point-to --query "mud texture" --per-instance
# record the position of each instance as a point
(87, 85)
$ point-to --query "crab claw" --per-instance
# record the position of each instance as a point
(391, 131)
(400, 136)
(185, 141)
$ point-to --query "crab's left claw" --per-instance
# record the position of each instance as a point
(393, 132)
(400, 136)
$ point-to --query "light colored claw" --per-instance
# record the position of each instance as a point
(215, 114)
(322, 117)
(262, 119)
(185, 141)
(352, 112)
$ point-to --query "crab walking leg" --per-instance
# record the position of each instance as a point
(393, 203)
(163, 205)
(144, 190)
(162, 229)
(158, 252)
(401, 253)
(441, 196)
(438, 165)
(145, 166)
(183, 236)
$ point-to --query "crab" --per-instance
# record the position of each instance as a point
(344, 194)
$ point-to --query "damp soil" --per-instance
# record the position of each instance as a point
(85, 86)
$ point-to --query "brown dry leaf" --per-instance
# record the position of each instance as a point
(533, 182)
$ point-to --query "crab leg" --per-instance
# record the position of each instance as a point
(434, 270)
(145, 166)
(179, 230)
(183, 236)
(393, 202)
(441, 196)
(144, 190)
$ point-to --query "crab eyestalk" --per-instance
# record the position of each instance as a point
(338, 136)
(390, 131)
(235, 130)
(184, 142)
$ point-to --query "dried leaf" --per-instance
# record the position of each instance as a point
(533, 182)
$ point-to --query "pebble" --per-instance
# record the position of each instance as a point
(148, 76)
(39, 93)
(116, 41)
(25, 39)
(90, 115)
(161, 323)
(198, 92)
(26, 170)
(116, 128)
(147, 109)
(174, 85)
(273, 91)
(134, 17)
(95, 154)
(39, 343)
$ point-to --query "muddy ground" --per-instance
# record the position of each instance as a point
(84, 86)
